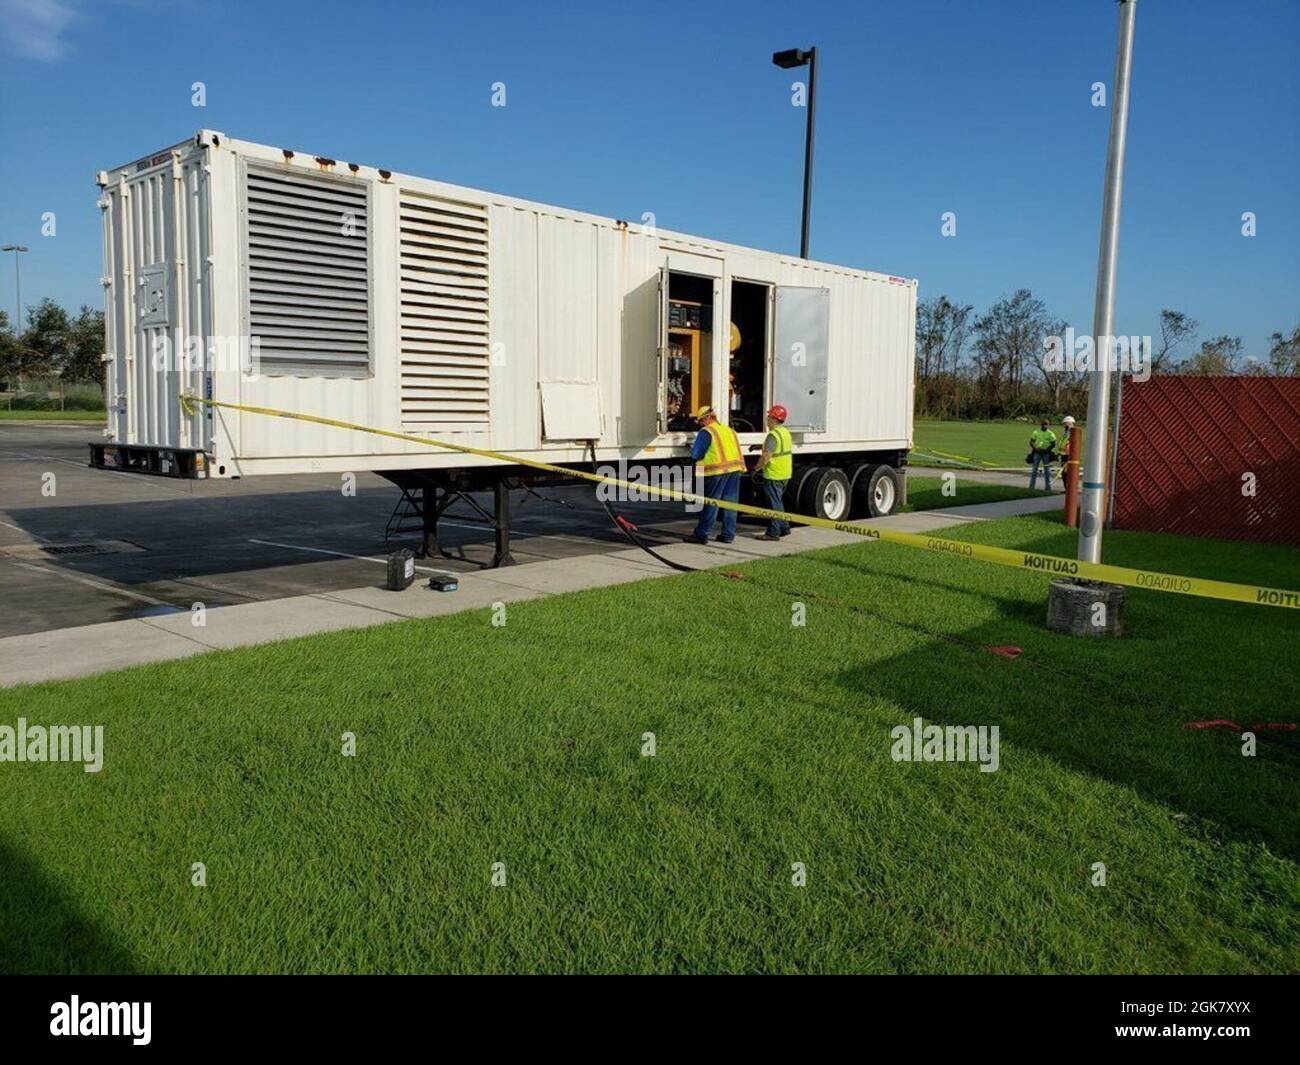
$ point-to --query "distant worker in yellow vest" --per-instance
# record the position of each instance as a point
(717, 457)
(1042, 443)
(1063, 444)
(776, 464)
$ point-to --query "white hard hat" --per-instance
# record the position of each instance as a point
(1067, 420)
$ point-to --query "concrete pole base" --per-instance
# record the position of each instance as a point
(1080, 608)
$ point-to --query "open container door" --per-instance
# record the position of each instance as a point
(800, 355)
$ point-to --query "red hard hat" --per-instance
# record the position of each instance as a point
(778, 411)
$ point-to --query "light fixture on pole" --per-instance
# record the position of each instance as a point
(788, 60)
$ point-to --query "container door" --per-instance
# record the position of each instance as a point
(661, 355)
(800, 355)
(117, 291)
(148, 334)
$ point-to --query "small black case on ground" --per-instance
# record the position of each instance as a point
(401, 569)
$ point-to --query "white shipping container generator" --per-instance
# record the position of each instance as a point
(268, 277)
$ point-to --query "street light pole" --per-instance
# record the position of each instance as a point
(797, 57)
(17, 249)
(808, 151)
(1093, 499)
(18, 285)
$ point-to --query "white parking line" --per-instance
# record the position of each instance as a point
(79, 579)
(340, 554)
(141, 479)
(50, 458)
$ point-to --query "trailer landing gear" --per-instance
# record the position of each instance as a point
(501, 522)
(426, 495)
(424, 499)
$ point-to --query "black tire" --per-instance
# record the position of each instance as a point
(859, 475)
(825, 494)
(876, 492)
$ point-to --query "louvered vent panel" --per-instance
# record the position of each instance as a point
(308, 281)
(444, 282)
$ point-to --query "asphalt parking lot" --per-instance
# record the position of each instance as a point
(108, 546)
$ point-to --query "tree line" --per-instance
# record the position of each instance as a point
(998, 365)
(968, 365)
(54, 342)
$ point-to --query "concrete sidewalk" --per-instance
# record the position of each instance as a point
(75, 652)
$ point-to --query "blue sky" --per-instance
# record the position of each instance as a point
(980, 107)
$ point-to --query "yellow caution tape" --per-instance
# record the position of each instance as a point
(1050, 565)
(951, 463)
(955, 458)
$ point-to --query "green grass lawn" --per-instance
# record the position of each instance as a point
(522, 745)
(1001, 443)
(51, 415)
(926, 493)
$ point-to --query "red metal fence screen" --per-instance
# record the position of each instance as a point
(1210, 456)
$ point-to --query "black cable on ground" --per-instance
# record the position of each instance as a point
(627, 528)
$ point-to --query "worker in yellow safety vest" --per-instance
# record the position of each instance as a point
(1042, 444)
(717, 458)
(1063, 441)
(775, 465)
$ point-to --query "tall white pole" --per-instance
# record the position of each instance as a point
(1093, 498)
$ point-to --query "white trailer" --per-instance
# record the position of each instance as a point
(269, 277)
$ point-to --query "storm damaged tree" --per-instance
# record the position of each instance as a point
(942, 329)
(1218, 356)
(1063, 380)
(1284, 353)
(1009, 340)
(1176, 328)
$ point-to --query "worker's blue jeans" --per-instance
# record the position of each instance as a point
(725, 486)
(1043, 460)
(776, 501)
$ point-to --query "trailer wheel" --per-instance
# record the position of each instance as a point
(876, 492)
(825, 494)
